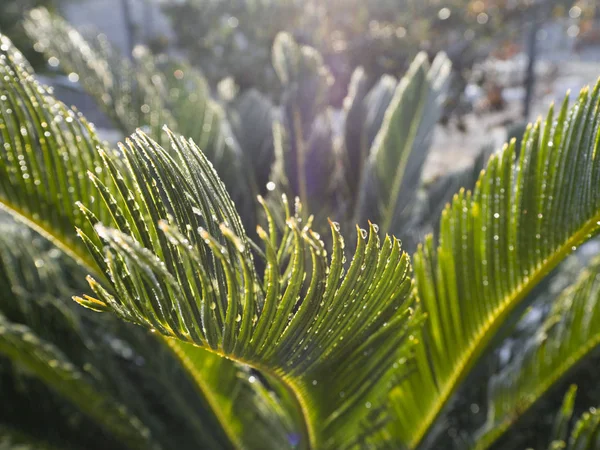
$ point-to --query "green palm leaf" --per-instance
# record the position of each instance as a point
(402, 143)
(36, 351)
(495, 245)
(140, 94)
(308, 150)
(583, 434)
(23, 346)
(195, 280)
(45, 152)
(163, 230)
(567, 337)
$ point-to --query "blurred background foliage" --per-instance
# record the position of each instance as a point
(233, 38)
(11, 15)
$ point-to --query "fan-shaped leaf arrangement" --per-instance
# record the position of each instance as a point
(172, 255)
(45, 152)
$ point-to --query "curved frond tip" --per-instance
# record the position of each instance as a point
(187, 272)
(167, 250)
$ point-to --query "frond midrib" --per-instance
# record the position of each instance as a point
(308, 431)
(481, 340)
(543, 388)
(399, 176)
(63, 244)
(89, 265)
(206, 392)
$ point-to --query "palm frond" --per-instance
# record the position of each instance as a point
(584, 432)
(166, 234)
(567, 337)
(146, 93)
(21, 345)
(309, 151)
(251, 116)
(195, 280)
(496, 244)
(46, 150)
(25, 347)
(564, 415)
(402, 143)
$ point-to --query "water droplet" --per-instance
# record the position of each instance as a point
(270, 186)
(336, 225)
(251, 379)
(213, 305)
(238, 318)
(314, 382)
(363, 233)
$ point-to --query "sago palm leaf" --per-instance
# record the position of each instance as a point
(119, 360)
(496, 244)
(195, 280)
(584, 434)
(567, 337)
(45, 152)
(163, 230)
(125, 91)
(32, 324)
(393, 169)
(138, 94)
(308, 150)
(365, 108)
